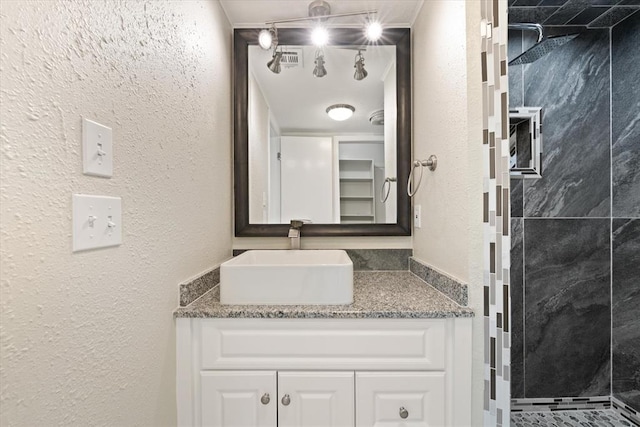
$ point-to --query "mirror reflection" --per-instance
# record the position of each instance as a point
(304, 164)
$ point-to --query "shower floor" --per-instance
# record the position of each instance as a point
(591, 418)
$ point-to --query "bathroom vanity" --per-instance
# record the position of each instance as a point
(400, 355)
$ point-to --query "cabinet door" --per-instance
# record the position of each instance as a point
(407, 399)
(322, 399)
(238, 398)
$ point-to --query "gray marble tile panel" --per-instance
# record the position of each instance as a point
(530, 14)
(587, 15)
(613, 17)
(569, 10)
(626, 311)
(571, 84)
(517, 307)
(625, 56)
(567, 307)
(514, 48)
(516, 198)
(379, 259)
(452, 288)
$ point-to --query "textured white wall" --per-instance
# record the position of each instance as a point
(88, 338)
(447, 111)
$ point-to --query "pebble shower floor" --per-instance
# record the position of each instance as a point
(593, 418)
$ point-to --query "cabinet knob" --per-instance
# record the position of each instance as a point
(286, 400)
(403, 412)
(265, 399)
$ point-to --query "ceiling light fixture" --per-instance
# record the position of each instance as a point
(274, 64)
(360, 72)
(319, 70)
(268, 38)
(373, 30)
(320, 36)
(340, 112)
(319, 11)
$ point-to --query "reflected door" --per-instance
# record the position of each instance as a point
(307, 176)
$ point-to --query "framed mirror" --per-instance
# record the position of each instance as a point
(525, 142)
(292, 161)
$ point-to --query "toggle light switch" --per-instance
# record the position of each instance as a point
(97, 222)
(97, 149)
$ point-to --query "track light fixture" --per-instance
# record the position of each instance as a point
(274, 64)
(360, 72)
(373, 30)
(268, 38)
(319, 11)
(319, 70)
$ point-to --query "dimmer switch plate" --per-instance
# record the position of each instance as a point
(97, 222)
(97, 149)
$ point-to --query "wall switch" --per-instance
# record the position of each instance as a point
(97, 222)
(417, 216)
(97, 149)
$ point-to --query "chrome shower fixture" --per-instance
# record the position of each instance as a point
(360, 72)
(319, 70)
(543, 45)
(274, 64)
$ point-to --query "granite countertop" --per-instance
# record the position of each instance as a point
(376, 294)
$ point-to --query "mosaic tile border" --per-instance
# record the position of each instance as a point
(626, 411)
(560, 404)
(449, 286)
(194, 289)
(496, 213)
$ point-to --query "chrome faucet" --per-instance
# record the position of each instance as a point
(294, 232)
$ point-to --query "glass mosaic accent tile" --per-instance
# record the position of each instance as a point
(599, 418)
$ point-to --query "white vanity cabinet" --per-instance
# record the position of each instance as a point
(323, 372)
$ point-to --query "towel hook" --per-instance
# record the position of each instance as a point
(384, 196)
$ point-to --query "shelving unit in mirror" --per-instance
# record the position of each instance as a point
(357, 191)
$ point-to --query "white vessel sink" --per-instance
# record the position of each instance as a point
(287, 277)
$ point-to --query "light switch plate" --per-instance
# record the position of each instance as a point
(97, 222)
(97, 149)
(417, 216)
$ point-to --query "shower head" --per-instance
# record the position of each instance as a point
(541, 48)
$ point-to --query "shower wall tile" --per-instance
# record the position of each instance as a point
(571, 84)
(516, 198)
(625, 56)
(567, 307)
(517, 306)
(626, 314)
(514, 48)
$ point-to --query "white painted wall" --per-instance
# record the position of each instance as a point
(258, 123)
(88, 338)
(447, 117)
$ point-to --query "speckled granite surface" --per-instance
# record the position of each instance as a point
(194, 289)
(377, 294)
(450, 287)
(379, 259)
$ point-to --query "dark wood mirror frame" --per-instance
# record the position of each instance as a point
(400, 37)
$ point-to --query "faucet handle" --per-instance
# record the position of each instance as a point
(297, 223)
